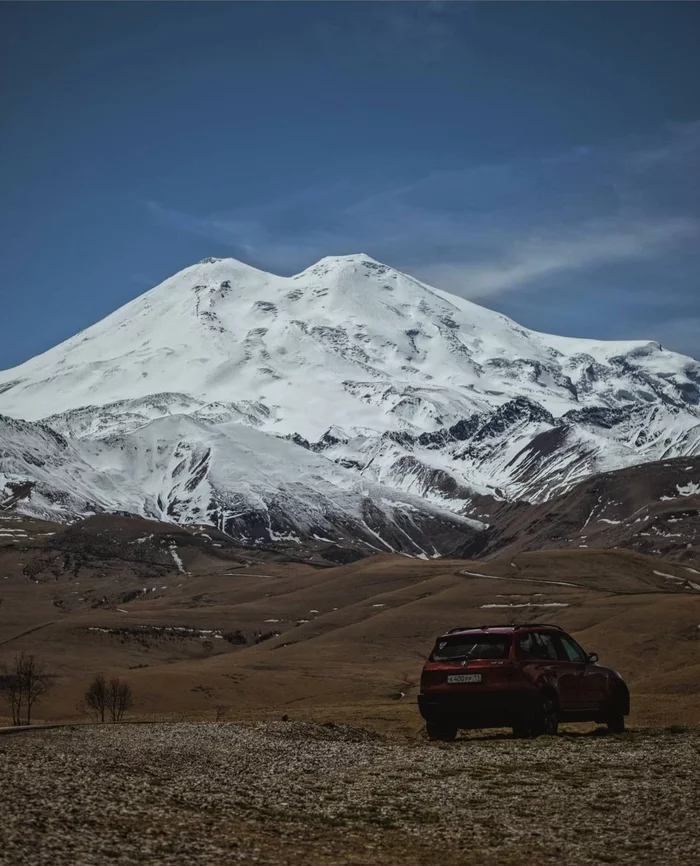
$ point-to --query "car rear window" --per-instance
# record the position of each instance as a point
(478, 646)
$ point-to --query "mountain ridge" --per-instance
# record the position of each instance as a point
(228, 303)
(384, 381)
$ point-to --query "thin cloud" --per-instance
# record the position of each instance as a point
(221, 229)
(539, 258)
(682, 141)
(487, 229)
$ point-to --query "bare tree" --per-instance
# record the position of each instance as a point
(220, 710)
(36, 682)
(11, 692)
(95, 699)
(23, 685)
(119, 698)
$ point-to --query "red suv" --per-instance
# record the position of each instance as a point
(528, 677)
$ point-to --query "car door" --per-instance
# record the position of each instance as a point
(588, 683)
(566, 672)
(596, 685)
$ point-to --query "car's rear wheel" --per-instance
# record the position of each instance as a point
(546, 717)
(442, 730)
(615, 722)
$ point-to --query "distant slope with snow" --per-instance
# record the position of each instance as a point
(255, 487)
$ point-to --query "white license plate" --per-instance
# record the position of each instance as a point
(464, 678)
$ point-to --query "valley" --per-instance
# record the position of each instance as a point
(203, 628)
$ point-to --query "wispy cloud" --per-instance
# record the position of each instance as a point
(533, 258)
(585, 206)
(682, 140)
(224, 229)
(498, 230)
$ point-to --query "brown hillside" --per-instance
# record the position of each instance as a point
(653, 508)
(351, 638)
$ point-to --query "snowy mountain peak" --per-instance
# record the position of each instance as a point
(209, 269)
(377, 374)
(359, 269)
(350, 260)
(349, 341)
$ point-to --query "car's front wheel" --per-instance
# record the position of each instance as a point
(546, 717)
(616, 710)
(442, 730)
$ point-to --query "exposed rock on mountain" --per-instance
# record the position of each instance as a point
(653, 508)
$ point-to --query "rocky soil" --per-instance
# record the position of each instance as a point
(295, 793)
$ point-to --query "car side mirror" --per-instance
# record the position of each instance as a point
(592, 658)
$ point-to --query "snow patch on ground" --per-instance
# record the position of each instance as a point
(177, 560)
(669, 576)
(523, 579)
(527, 604)
(692, 488)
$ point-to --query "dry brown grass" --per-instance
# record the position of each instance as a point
(370, 625)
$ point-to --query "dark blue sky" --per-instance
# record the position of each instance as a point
(541, 158)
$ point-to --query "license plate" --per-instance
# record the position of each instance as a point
(464, 678)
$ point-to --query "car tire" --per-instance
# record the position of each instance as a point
(546, 717)
(615, 722)
(444, 731)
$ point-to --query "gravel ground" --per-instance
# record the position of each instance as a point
(294, 793)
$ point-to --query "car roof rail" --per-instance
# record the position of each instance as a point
(514, 626)
(465, 628)
(538, 625)
(478, 627)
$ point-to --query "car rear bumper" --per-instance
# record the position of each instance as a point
(478, 709)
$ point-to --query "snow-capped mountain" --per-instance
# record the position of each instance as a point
(382, 350)
(373, 376)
